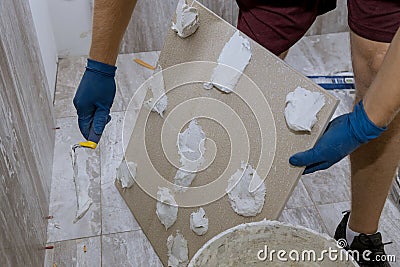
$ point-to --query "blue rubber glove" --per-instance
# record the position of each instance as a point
(343, 135)
(94, 98)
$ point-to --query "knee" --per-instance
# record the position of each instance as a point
(368, 67)
(375, 62)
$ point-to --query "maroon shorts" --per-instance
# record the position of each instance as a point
(279, 24)
(376, 20)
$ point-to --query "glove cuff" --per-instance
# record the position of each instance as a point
(100, 67)
(363, 128)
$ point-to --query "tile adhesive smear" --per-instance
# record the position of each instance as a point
(167, 209)
(302, 107)
(81, 179)
(244, 201)
(126, 173)
(198, 222)
(191, 150)
(158, 103)
(187, 20)
(177, 250)
(232, 61)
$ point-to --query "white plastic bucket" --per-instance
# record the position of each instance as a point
(251, 244)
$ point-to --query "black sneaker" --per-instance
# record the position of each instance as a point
(362, 243)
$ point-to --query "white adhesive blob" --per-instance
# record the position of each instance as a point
(126, 173)
(244, 201)
(177, 250)
(302, 107)
(187, 20)
(198, 222)
(191, 150)
(167, 209)
(81, 180)
(232, 61)
(158, 103)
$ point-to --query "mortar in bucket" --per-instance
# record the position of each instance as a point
(271, 243)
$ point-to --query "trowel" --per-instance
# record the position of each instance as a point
(83, 151)
(92, 140)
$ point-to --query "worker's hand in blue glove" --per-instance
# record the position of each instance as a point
(343, 135)
(94, 98)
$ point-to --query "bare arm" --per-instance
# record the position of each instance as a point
(110, 19)
(382, 101)
(96, 91)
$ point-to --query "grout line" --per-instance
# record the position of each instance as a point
(73, 239)
(315, 206)
(101, 206)
(308, 205)
(55, 85)
(121, 232)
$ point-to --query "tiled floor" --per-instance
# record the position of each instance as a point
(108, 235)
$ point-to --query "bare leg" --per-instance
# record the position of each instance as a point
(373, 165)
(110, 20)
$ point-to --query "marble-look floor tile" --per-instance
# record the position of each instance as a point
(116, 216)
(79, 252)
(235, 13)
(63, 193)
(128, 249)
(331, 214)
(389, 224)
(346, 98)
(150, 22)
(223, 8)
(70, 71)
(63, 105)
(129, 77)
(299, 197)
(304, 216)
(321, 54)
(331, 185)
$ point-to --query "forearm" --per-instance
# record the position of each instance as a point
(110, 19)
(382, 101)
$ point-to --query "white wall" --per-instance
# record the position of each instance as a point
(47, 44)
(71, 20)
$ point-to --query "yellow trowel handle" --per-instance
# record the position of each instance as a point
(92, 141)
